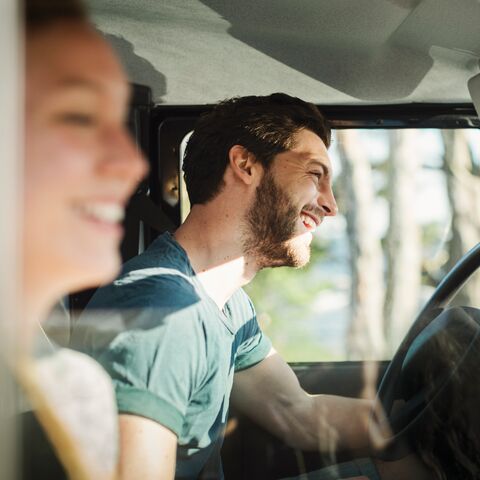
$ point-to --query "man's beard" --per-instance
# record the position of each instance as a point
(271, 225)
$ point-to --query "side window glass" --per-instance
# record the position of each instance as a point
(408, 210)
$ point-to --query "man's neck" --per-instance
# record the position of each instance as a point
(213, 243)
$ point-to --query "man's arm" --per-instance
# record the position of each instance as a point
(147, 449)
(270, 393)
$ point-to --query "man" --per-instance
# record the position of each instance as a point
(177, 330)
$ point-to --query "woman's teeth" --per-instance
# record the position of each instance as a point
(103, 212)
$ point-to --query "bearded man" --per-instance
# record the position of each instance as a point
(259, 181)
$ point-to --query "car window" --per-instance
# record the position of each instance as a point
(406, 214)
(468, 295)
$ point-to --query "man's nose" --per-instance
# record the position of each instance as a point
(327, 202)
(123, 159)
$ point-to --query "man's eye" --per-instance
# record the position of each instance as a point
(317, 175)
(79, 119)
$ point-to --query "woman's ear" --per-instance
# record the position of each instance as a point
(243, 164)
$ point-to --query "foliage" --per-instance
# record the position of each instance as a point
(283, 299)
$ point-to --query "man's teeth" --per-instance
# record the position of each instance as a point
(308, 221)
(103, 212)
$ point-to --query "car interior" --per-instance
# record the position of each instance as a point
(381, 67)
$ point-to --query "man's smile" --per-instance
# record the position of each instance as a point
(309, 220)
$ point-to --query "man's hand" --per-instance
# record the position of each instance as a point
(147, 449)
(270, 393)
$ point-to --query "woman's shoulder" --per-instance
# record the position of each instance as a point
(81, 394)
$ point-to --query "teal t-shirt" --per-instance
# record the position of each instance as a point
(170, 351)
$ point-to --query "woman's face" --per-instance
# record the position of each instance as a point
(81, 165)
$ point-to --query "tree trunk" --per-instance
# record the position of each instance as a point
(463, 185)
(365, 334)
(403, 242)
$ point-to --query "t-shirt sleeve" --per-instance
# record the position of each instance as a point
(155, 370)
(253, 344)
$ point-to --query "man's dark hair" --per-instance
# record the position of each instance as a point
(265, 126)
(41, 13)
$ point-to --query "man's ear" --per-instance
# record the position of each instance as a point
(243, 164)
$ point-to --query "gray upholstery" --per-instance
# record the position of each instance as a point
(342, 51)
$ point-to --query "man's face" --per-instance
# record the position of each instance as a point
(293, 197)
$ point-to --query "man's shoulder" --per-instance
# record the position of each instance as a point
(153, 287)
(143, 320)
(159, 277)
(153, 290)
(163, 253)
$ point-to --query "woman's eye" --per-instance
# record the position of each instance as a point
(79, 119)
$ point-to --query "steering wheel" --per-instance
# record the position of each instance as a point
(401, 402)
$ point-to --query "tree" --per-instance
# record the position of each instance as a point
(463, 186)
(403, 240)
(365, 334)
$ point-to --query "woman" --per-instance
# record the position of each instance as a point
(80, 168)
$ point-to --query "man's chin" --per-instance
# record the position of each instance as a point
(301, 258)
(290, 255)
(299, 249)
(296, 256)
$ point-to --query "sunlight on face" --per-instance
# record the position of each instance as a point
(81, 165)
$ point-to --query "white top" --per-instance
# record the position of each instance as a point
(81, 394)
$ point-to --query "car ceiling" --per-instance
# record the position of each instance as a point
(326, 51)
